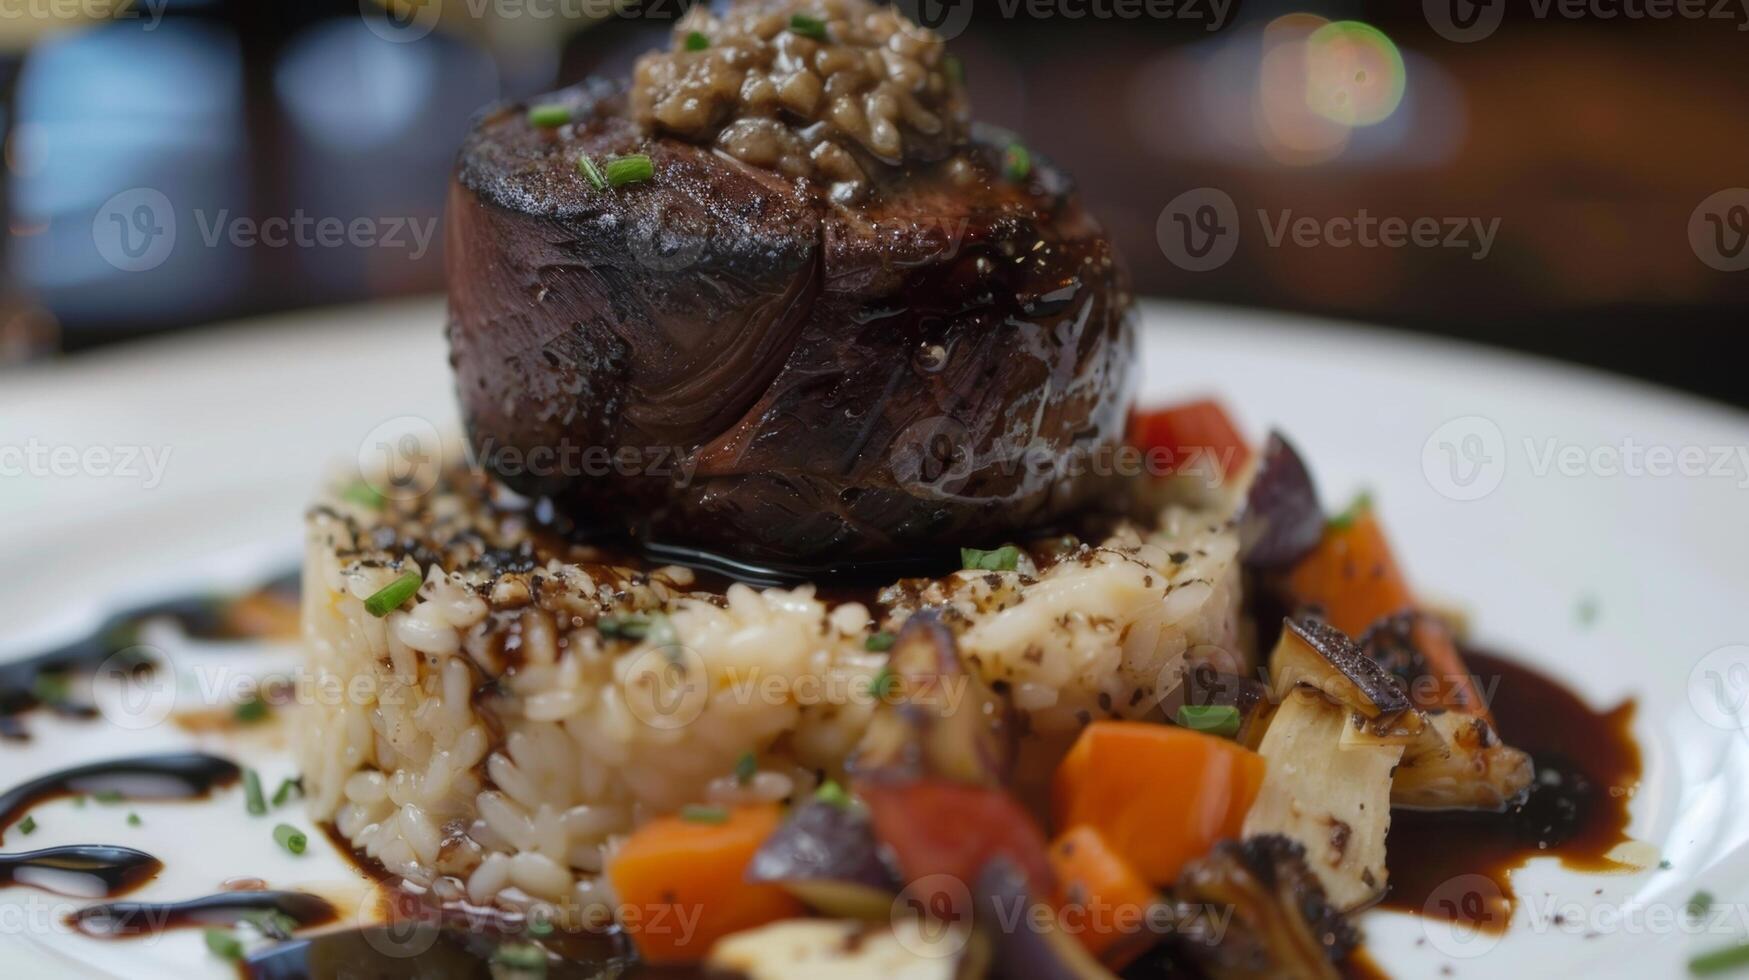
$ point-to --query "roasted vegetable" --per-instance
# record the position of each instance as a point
(1199, 437)
(1354, 580)
(826, 856)
(1024, 933)
(1106, 904)
(1282, 520)
(1322, 657)
(1457, 762)
(945, 720)
(675, 867)
(1159, 794)
(946, 831)
(1254, 911)
(808, 949)
(1333, 799)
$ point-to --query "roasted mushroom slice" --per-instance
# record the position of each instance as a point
(826, 855)
(1323, 657)
(939, 718)
(1333, 798)
(1458, 762)
(806, 949)
(1253, 910)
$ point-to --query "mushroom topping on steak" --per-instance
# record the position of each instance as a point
(724, 357)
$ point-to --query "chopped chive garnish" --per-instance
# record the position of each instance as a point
(51, 689)
(521, 956)
(27, 825)
(79, 801)
(1345, 520)
(253, 801)
(696, 41)
(134, 819)
(632, 169)
(879, 643)
(807, 26)
(1003, 559)
(540, 927)
(1016, 162)
(223, 944)
(883, 683)
(745, 767)
(1587, 610)
(549, 115)
(832, 793)
(1700, 903)
(704, 814)
(251, 711)
(586, 167)
(286, 788)
(361, 492)
(629, 627)
(955, 68)
(107, 796)
(1719, 960)
(389, 598)
(1210, 719)
(290, 838)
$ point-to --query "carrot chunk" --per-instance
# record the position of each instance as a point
(681, 881)
(1105, 901)
(1160, 795)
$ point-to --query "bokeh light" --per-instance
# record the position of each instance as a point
(1354, 73)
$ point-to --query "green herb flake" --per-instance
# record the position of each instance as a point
(251, 711)
(79, 801)
(107, 796)
(1356, 510)
(223, 944)
(1016, 162)
(1720, 961)
(272, 923)
(586, 167)
(883, 683)
(1699, 904)
(389, 598)
(290, 838)
(253, 801)
(695, 813)
(633, 169)
(880, 642)
(1003, 559)
(955, 68)
(27, 825)
(832, 793)
(134, 819)
(540, 927)
(549, 116)
(522, 957)
(51, 688)
(1587, 611)
(286, 788)
(1210, 719)
(696, 41)
(807, 26)
(363, 494)
(745, 767)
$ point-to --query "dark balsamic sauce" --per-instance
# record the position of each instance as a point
(1587, 766)
(80, 870)
(174, 776)
(119, 920)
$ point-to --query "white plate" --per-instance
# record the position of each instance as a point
(251, 417)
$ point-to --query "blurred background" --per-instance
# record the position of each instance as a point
(1563, 177)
